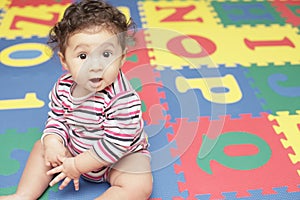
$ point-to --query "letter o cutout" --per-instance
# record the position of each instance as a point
(175, 45)
(46, 54)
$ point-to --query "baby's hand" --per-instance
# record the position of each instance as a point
(67, 172)
(52, 149)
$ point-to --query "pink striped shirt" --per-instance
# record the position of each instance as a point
(109, 121)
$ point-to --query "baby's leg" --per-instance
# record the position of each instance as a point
(130, 178)
(34, 180)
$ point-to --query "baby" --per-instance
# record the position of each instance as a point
(95, 127)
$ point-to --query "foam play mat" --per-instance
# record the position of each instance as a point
(219, 83)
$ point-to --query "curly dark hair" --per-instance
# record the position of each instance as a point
(86, 14)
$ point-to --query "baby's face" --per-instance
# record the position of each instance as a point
(93, 57)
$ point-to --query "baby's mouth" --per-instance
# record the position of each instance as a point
(95, 82)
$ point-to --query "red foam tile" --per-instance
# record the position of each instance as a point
(277, 171)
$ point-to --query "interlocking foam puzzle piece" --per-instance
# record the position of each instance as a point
(15, 148)
(88, 190)
(199, 183)
(133, 9)
(18, 157)
(1, 13)
(289, 10)
(138, 67)
(177, 104)
(275, 85)
(165, 184)
(3, 8)
(19, 22)
(288, 124)
(163, 20)
(211, 91)
(242, 13)
(14, 157)
(8, 184)
(171, 16)
(21, 82)
(21, 53)
(11, 140)
(5, 4)
(165, 180)
(281, 193)
(24, 3)
(179, 43)
(6, 191)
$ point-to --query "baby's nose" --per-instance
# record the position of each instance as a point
(96, 68)
(96, 65)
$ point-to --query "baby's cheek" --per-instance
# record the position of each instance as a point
(80, 79)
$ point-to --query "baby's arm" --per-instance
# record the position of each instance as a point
(122, 126)
(55, 135)
(53, 147)
(73, 167)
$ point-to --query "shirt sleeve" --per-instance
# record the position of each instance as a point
(56, 123)
(123, 125)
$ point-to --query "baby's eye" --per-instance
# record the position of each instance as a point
(106, 54)
(82, 56)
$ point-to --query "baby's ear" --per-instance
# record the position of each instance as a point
(62, 60)
(124, 56)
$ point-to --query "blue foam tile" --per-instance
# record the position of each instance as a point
(13, 179)
(280, 193)
(88, 190)
(16, 82)
(165, 179)
(192, 104)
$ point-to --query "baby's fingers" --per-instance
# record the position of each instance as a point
(58, 178)
(52, 162)
(55, 164)
(66, 182)
(55, 170)
(76, 184)
(60, 158)
(47, 163)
